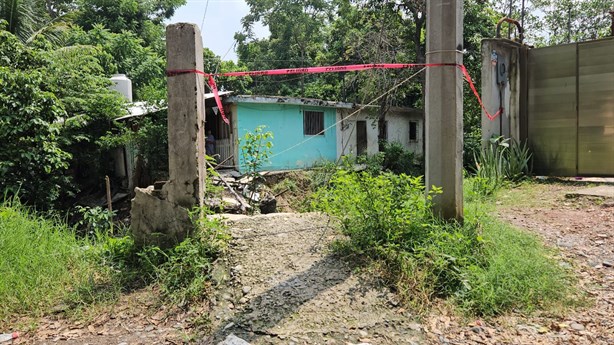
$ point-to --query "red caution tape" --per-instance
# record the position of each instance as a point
(490, 116)
(218, 101)
(331, 69)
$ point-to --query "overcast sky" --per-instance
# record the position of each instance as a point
(222, 20)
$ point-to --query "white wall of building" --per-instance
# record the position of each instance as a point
(398, 130)
(346, 133)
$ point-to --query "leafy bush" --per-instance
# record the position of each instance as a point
(502, 160)
(255, 152)
(95, 220)
(32, 163)
(486, 267)
(400, 160)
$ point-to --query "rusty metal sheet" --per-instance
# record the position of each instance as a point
(596, 108)
(552, 113)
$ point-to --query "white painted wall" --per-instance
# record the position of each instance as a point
(398, 130)
(346, 133)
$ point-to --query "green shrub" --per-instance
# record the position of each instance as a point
(181, 272)
(502, 160)
(399, 160)
(486, 267)
(519, 274)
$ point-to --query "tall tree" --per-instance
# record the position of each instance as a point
(28, 19)
(143, 18)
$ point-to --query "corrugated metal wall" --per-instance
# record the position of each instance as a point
(571, 109)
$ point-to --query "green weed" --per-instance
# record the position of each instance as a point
(42, 261)
(486, 267)
(501, 161)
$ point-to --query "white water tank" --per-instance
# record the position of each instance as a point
(123, 85)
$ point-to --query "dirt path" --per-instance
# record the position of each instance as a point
(285, 287)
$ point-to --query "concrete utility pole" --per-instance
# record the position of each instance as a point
(161, 213)
(444, 106)
(186, 116)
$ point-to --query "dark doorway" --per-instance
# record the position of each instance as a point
(361, 137)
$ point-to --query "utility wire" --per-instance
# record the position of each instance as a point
(204, 15)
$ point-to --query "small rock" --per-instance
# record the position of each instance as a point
(149, 328)
(229, 325)
(414, 326)
(226, 297)
(565, 243)
(237, 269)
(477, 329)
(232, 339)
(607, 263)
(246, 289)
(363, 333)
(243, 300)
(123, 343)
(576, 326)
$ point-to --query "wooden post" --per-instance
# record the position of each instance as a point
(109, 200)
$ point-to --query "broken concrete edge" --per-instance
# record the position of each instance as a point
(157, 221)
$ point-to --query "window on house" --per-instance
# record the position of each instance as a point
(413, 131)
(313, 122)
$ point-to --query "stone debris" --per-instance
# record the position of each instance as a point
(232, 339)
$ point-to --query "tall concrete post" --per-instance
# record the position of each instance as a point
(161, 213)
(186, 115)
(444, 106)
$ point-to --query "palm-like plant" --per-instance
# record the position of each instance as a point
(28, 19)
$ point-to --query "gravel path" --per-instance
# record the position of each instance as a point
(283, 286)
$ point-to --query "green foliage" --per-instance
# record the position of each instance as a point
(124, 52)
(142, 18)
(400, 160)
(42, 261)
(182, 273)
(32, 162)
(501, 161)
(95, 220)
(519, 274)
(255, 152)
(481, 264)
(57, 104)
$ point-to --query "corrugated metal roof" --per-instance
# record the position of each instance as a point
(137, 109)
(221, 93)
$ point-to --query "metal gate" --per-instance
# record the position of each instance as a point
(571, 108)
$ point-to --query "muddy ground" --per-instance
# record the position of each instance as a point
(280, 284)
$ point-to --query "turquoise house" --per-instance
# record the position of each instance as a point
(304, 129)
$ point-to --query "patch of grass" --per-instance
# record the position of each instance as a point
(483, 265)
(517, 273)
(44, 264)
(42, 261)
(182, 273)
